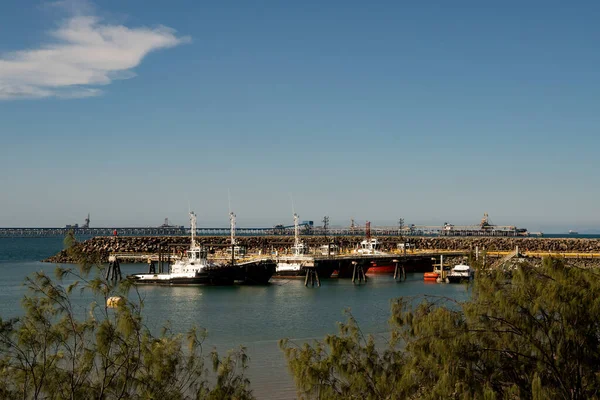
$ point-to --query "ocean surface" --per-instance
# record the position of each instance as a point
(255, 317)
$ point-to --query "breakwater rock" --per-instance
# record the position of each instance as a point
(169, 244)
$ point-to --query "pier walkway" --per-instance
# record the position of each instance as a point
(140, 256)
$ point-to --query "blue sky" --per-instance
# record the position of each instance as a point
(432, 111)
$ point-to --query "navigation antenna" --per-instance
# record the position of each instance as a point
(193, 227)
(296, 226)
(232, 227)
(296, 230)
(231, 220)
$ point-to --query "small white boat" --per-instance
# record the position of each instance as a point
(460, 273)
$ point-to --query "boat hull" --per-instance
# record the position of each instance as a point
(324, 271)
(255, 272)
(213, 276)
(381, 268)
(458, 279)
(346, 269)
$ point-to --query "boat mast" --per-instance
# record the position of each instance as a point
(232, 226)
(193, 228)
(296, 231)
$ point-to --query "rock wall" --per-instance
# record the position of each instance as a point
(123, 244)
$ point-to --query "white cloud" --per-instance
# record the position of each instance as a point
(85, 53)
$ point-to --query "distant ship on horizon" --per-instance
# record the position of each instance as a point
(572, 232)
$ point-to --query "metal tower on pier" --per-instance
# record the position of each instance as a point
(325, 226)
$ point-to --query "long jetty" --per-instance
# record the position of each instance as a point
(565, 247)
(274, 231)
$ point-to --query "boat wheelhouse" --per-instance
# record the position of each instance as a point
(329, 249)
(370, 246)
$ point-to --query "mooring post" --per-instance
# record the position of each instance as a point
(160, 266)
(151, 266)
(116, 271)
(353, 270)
(118, 265)
(113, 271)
(364, 275)
(306, 278)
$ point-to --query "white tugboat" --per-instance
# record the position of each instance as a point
(460, 273)
(192, 269)
(370, 246)
(256, 271)
(293, 265)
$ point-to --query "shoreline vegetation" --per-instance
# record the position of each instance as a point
(266, 244)
(528, 332)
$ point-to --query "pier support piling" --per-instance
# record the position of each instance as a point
(313, 276)
(113, 271)
(358, 272)
(151, 267)
(161, 263)
(399, 272)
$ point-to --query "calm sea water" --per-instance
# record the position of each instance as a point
(255, 317)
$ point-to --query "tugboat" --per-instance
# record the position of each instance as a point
(192, 269)
(252, 272)
(295, 265)
(371, 246)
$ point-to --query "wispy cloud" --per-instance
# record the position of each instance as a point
(85, 53)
